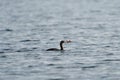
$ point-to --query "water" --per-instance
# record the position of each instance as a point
(29, 27)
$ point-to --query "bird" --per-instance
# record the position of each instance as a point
(61, 46)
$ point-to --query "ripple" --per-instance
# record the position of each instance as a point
(3, 56)
(7, 50)
(56, 59)
(30, 66)
(95, 11)
(50, 64)
(23, 50)
(57, 79)
(87, 67)
(111, 60)
(110, 54)
(107, 46)
(26, 49)
(34, 48)
(25, 40)
(79, 63)
(5, 44)
(28, 40)
(2, 52)
(60, 67)
(8, 30)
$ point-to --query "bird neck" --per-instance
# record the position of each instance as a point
(61, 46)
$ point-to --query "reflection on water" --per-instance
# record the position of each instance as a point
(28, 28)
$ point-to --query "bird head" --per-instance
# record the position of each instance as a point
(68, 41)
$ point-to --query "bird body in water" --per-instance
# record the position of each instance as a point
(61, 46)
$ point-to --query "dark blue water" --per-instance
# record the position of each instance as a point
(29, 27)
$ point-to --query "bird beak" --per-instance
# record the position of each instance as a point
(68, 41)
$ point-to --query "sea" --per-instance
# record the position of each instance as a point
(29, 27)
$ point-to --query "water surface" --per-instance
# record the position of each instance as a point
(28, 28)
